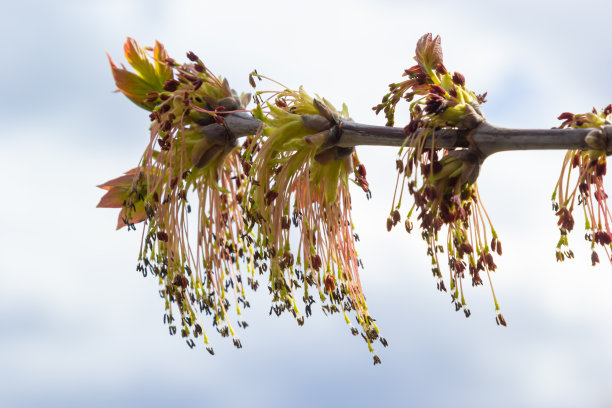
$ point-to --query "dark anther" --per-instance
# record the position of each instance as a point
(408, 226)
(166, 126)
(458, 78)
(411, 127)
(441, 69)
(271, 196)
(482, 98)
(437, 89)
(285, 222)
(192, 56)
(399, 165)
(171, 85)
(396, 217)
(594, 258)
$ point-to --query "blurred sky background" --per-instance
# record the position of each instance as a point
(79, 327)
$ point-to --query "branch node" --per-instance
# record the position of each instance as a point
(607, 138)
(596, 139)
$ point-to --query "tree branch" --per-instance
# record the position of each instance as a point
(486, 138)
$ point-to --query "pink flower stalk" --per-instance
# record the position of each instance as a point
(300, 179)
(442, 182)
(586, 189)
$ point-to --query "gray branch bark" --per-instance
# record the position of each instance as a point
(485, 139)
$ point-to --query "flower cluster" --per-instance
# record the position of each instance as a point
(437, 97)
(300, 178)
(289, 174)
(586, 189)
(441, 181)
(190, 153)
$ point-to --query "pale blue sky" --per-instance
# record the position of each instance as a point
(78, 325)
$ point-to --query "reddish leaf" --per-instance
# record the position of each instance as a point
(132, 86)
(162, 70)
(137, 216)
(429, 52)
(137, 57)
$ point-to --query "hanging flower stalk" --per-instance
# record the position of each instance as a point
(300, 178)
(443, 182)
(586, 188)
(183, 160)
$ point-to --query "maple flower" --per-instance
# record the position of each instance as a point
(300, 178)
(586, 188)
(437, 97)
(441, 181)
(190, 153)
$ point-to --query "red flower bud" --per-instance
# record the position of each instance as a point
(330, 284)
(441, 69)
(192, 56)
(594, 258)
(458, 79)
(361, 170)
(271, 196)
(437, 89)
(411, 127)
(171, 85)
(396, 217)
